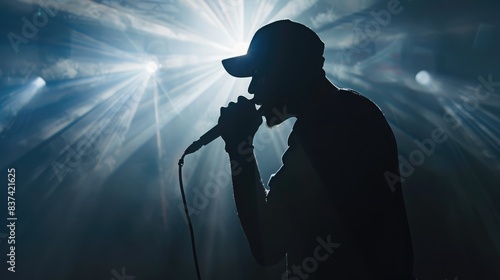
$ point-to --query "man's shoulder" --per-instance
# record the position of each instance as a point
(343, 105)
(345, 113)
(347, 96)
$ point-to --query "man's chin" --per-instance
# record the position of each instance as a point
(274, 116)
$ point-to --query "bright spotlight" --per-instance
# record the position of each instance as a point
(240, 48)
(39, 82)
(423, 78)
(151, 67)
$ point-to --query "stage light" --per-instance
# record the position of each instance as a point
(240, 48)
(17, 99)
(423, 78)
(39, 82)
(151, 67)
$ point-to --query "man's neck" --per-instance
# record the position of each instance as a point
(313, 96)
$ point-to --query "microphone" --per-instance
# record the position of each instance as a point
(206, 138)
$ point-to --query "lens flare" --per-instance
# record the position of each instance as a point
(151, 67)
(423, 77)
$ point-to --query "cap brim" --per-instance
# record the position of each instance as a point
(238, 66)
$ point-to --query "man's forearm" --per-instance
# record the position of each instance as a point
(267, 227)
(249, 192)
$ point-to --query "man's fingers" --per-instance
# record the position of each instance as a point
(246, 105)
(242, 99)
(238, 120)
(240, 109)
(230, 105)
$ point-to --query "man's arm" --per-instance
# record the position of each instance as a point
(267, 226)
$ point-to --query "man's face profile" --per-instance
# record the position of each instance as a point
(285, 61)
(273, 87)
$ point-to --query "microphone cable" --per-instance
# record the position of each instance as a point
(195, 146)
(186, 210)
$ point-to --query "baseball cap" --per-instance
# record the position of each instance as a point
(296, 43)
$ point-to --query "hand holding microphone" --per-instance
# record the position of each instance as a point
(238, 123)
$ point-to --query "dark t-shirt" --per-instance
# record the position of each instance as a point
(349, 220)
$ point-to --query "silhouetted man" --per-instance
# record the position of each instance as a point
(330, 208)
